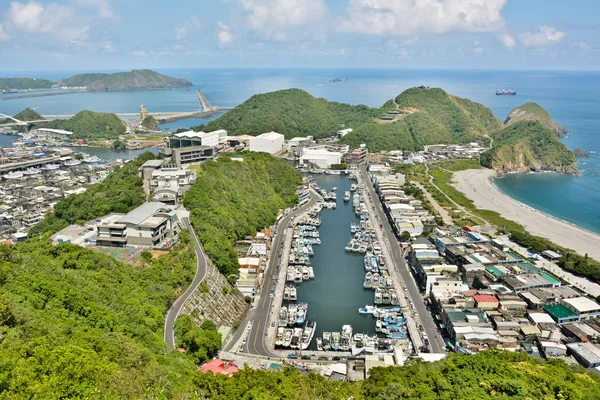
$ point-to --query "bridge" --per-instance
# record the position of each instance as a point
(208, 110)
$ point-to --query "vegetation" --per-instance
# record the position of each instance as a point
(294, 112)
(120, 192)
(150, 123)
(27, 114)
(75, 323)
(338, 166)
(431, 116)
(91, 125)
(24, 83)
(528, 146)
(570, 260)
(533, 112)
(231, 200)
(201, 343)
(132, 80)
(119, 145)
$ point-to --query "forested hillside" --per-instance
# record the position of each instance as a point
(528, 146)
(24, 83)
(91, 125)
(430, 116)
(233, 199)
(120, 192)
(533, 112)
(131, 80)
(294, 112)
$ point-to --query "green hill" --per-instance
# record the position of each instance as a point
(294, 112)
(91, 125)
(533, 112)
(132, 80)
(431, 116)
(24, 83)
(528, 146)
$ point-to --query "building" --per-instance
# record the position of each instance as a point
(210, 139)
(164, 182)
(587, 354)
(52, 132)
(271, 143)
(343, 132)
(486, 302)
(320, 157)
(358, 155)
(217, 366)
(151, 224)
(583, 307)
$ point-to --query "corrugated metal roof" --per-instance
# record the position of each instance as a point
(141, 213)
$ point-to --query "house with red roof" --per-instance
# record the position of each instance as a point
(217, 366)
(486, 301)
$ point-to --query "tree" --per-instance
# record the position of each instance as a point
(146, 256)
(119, 144)
(405, 236)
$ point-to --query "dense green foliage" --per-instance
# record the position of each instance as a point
(431, 116)
(233, 199)
(487, 375)
(201, 343)
(27, 114)
(150, 123)
(120, 192)
(91, 125)
(131, 80)
(572, 262)
(24, 83)
(294, 112)
(119, 144)
(528, 146)
(75, 323)
(533, 112)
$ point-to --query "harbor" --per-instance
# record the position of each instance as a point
(326, 304)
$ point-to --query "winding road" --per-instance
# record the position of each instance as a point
(258, 316)
(177, 306)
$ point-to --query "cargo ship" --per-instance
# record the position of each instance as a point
(505, 92)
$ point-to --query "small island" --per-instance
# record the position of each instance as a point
(580, 153)
(336, 80)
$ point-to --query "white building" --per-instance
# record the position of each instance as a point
(210, 139)
(320, 157)
(271, 143)
(343, 132)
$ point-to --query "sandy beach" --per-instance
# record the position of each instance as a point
(478, 186)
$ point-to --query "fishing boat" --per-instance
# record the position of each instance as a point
(91, 160)
(378, 296)
(311, 273)
(286, 293)
(279, 338)
(291, 317)
(353, 187)
(14, 175)
(298, 276)
(50, 167)
(305, 273)
(367, 310)
(290, 275)
(293, 293)
(307, 334)
(301, 313)
(346, 197)
(287, 337)
(326, 341)
(283, 312)
(367, 282)
(319, 344)
(72, 163)
(296, 336)
(346, 337)
(349, 246)
(32, 171)
(335, 341)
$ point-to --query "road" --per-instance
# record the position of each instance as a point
(258, 316)
(436, 342)
(175, 309)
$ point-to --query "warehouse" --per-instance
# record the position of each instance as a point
(271, 143)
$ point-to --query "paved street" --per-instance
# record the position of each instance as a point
(399, 264)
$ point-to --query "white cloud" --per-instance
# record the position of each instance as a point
(102, 7)
(109, 47)
(3, 35)
(181, 33)
(410, 17)
(53, 18)
(581, 45)
(546, 36)
(507, 40)
(273, 19)
(224, 36)
(139, 53)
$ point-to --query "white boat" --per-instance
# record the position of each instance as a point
(296, 336)
(32, 171)
(367, 310)
(72, 163)
(319, 344)
(346, 338)
(286, 293)
(287, 337)
(308, 333)
(291, 317)
(279, 338)
(50, 167)
(14, 175)
(346, 196)
(91, 160)
(335, 341)
(293, 294)
(311, 273)
(326, 341)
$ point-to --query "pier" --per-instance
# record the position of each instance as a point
(21, 165)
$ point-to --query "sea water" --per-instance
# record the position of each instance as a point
(570, 97)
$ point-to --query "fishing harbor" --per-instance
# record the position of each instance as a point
(337, 295)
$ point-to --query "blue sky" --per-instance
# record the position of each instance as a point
(125, 34)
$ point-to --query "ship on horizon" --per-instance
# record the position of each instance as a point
(506, 92)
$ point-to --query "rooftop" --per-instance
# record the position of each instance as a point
(485, 298)
(583, 304)
(141, 213)
(559, 311)
(217, 366)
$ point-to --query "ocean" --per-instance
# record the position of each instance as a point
(570, 97)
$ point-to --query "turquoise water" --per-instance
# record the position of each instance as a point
(571, 97)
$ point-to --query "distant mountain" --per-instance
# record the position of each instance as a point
(24, 83)
(533, 112)
(294, 112)
(526, 146)
(429, 116)
(132, 80)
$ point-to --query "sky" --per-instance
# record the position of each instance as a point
(465, 34)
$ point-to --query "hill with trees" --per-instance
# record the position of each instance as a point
(27, 114)
(120, 192)
(533, 112)
(429, 116)
(233, 199)
(91, 125)
(131, 80)
(150, 123)
(294, 112)
(528, 146)
(24, 83)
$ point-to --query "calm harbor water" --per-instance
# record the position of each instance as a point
(570, 97)
(336, 293)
